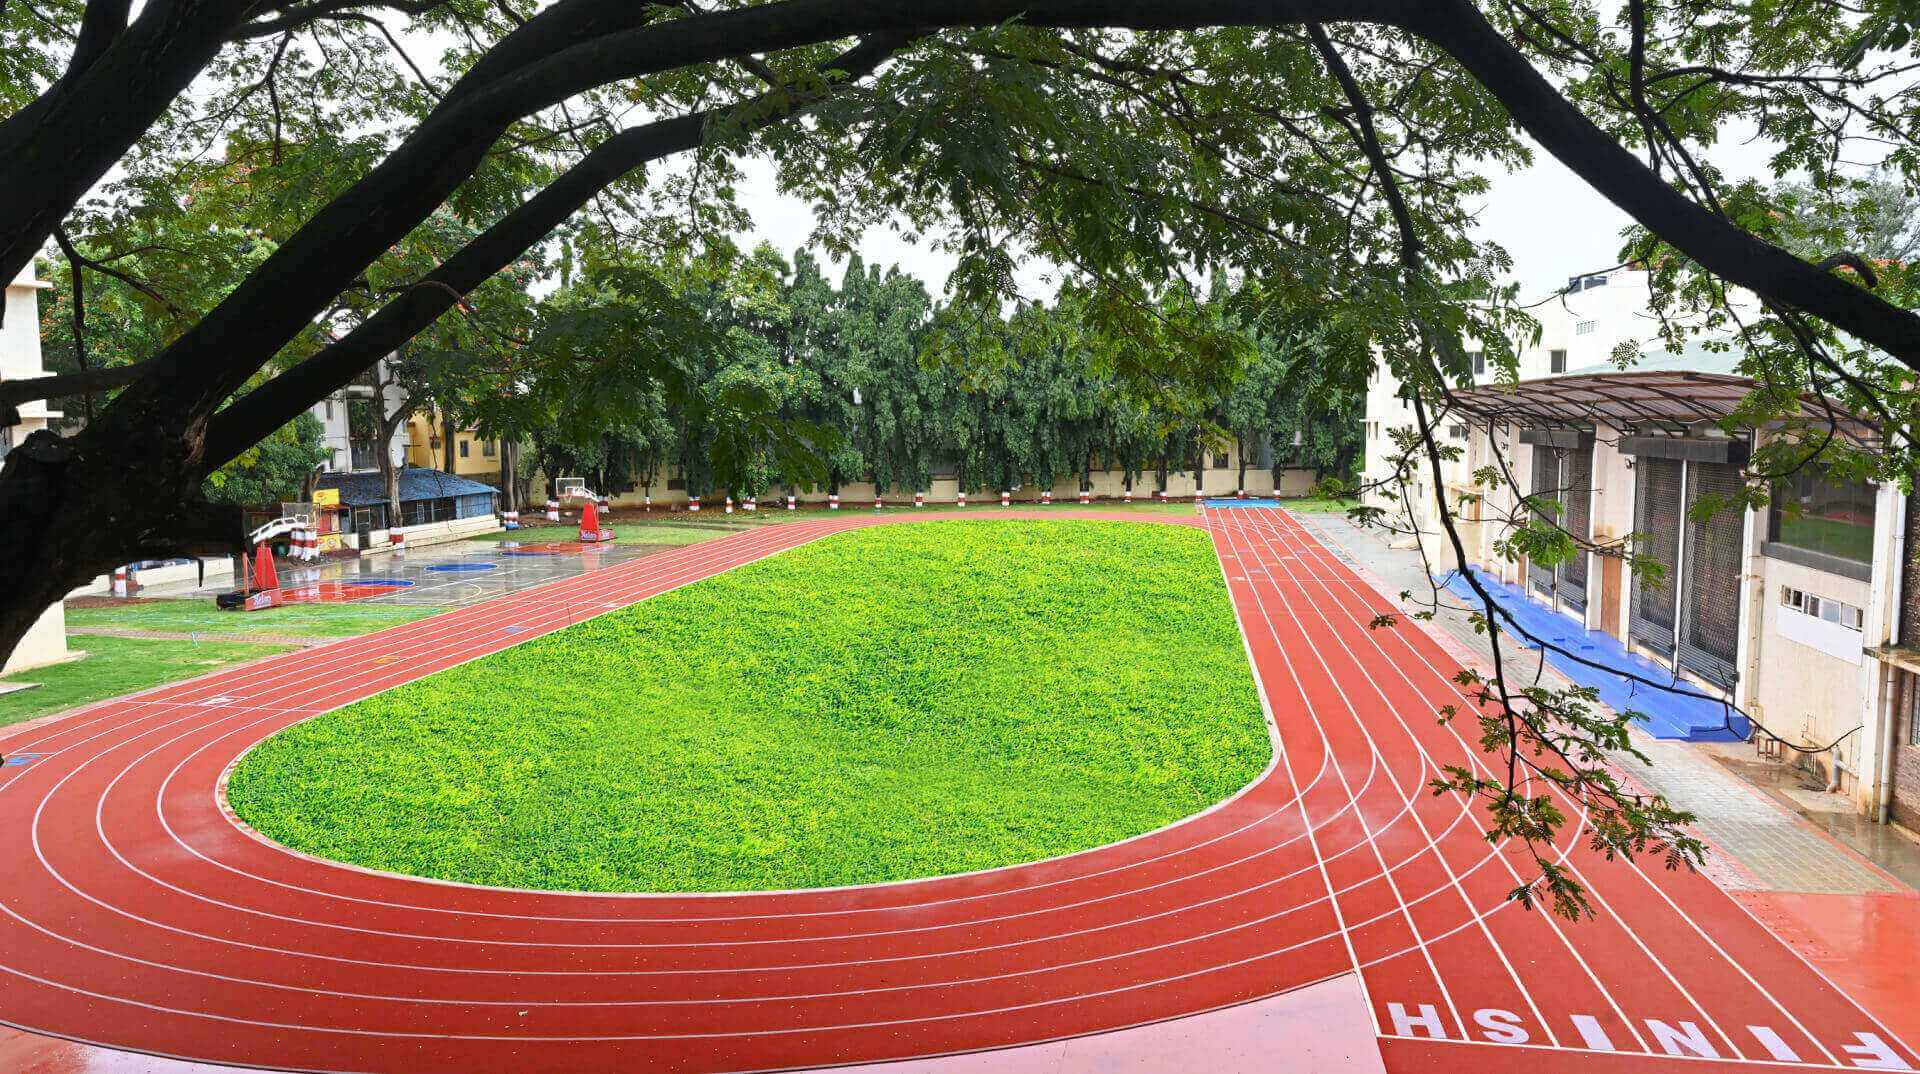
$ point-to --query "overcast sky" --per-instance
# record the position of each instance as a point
(1552, 224)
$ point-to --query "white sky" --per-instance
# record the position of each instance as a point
(1551, 223)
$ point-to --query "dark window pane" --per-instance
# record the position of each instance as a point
(1834, 518)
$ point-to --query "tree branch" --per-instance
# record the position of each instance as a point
(278, 401)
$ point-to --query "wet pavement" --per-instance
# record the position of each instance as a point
(1768, 834)
(442, 576)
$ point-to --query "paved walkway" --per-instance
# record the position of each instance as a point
(1766, 846)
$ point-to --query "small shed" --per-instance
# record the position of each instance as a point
(425, 496)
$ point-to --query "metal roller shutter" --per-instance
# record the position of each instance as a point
(1710, 624)
(1578, 500)
(1546, 486)
(1656, 518)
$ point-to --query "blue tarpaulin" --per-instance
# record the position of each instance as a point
(1683, 712)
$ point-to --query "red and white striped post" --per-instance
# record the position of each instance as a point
(647, 504)
(919, 499)
(729, 505)
(553, 510)
(789, 501)
(876, 502)
(960, 500)
(512, 519)
(833, 501)
(121, 587)
(1239, 494)
(1046, 498)
(1085, 497)
(1006, 498)
(1160, 494)
(752, 505)
(399, 538)
(1126, 496)
(693, 504)
(1198, 496)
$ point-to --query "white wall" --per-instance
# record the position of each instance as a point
(332, 413)
(1107, 485)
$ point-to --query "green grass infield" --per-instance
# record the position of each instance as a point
(881, 704)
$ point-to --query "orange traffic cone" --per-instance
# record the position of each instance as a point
(264, 576)
(590, 522)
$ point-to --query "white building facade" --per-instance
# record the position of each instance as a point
(350, 438)
(1778, 613)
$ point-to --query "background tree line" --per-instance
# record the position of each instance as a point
(757, 373)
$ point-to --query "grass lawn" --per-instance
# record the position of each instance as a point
(881, 704)
(183, 616)
(116, 666)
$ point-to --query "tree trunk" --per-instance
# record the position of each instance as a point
(509, 474)
(390, 480)
(76, 507)
(1240, 448)
(446, 430)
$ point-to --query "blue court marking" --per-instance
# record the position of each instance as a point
(1683, 713)
(465, 567)
(400, 583)
(519, 553)
(1229, 501)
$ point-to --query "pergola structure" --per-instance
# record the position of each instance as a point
(1639, 401)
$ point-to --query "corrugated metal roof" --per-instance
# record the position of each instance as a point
(416, 483)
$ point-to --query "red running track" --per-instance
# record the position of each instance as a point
(138, 914)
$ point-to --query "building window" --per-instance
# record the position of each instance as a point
(1479, 362)
(1458, 432)
(1219, 460)
(1585, 328)
(421, 512)
(465, 446)
(1825, 608)
(486, 448)
(1833, 518)
(1557, 361)
(329, 405)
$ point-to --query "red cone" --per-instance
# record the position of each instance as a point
(590, 522)
(264, 576)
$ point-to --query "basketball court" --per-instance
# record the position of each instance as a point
(447, 575)
(1332, 915)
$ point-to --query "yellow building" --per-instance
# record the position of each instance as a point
(474, 457)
